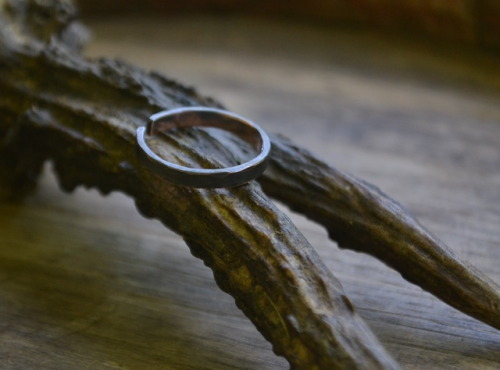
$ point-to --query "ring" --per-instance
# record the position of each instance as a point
(205, 117)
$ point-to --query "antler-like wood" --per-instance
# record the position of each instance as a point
(82, 115)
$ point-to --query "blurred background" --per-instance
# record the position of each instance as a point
(473, 22)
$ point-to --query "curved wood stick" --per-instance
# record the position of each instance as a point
(360, 217)
(83, 114)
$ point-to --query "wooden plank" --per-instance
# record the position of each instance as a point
(88, 283)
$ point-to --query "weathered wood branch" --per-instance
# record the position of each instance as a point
(82, 115)
(360, 217)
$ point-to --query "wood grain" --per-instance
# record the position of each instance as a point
(424, 128)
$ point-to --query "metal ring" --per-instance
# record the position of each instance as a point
(205, 117)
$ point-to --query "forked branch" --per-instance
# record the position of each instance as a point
(82, 115)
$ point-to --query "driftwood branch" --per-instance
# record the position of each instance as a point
(360, 217)
(82, 115)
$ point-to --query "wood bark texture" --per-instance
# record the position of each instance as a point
(82, 115)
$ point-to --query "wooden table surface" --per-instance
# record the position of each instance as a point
(86, 283)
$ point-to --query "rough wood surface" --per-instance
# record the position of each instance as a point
(82, 115)
(38, 114)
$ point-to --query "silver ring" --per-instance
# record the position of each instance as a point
(205, 117)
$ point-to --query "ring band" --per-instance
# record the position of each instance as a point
(205, 117)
